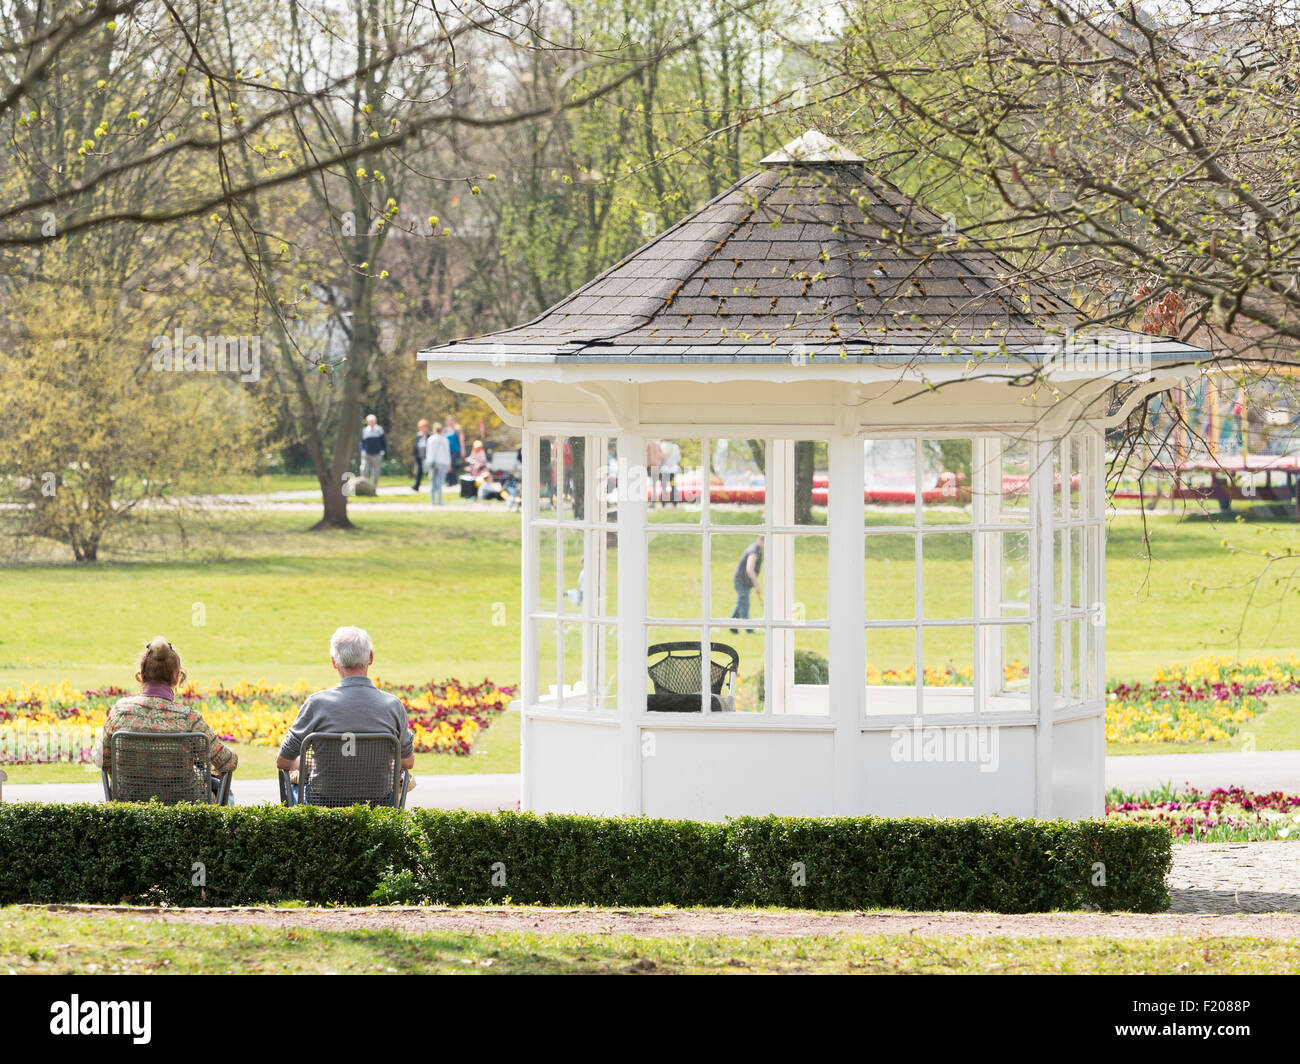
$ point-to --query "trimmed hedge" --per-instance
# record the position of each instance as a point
(151, 854)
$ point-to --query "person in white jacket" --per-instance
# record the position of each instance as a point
(437, 460)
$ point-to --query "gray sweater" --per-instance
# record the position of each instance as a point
(356, 705)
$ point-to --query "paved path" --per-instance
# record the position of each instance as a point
(1265, 770)
(1235, 877)
(482, 792)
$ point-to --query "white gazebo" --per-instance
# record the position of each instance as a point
(915, 431)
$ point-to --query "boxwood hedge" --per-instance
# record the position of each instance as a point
(204, 855)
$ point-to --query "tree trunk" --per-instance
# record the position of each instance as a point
(578, 473)
(804, 464)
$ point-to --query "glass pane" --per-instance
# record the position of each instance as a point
(1076, 477)
(1092, 635)
(1015, 480)
(548, 666)
(1010, 659)
(562, 468)
(947, 563)
(891, 671)
(737, 482)
(890, 481)
(1093, 474)
(574, 640)
(1013, 557)
(811, 578)
(1060, 573)
(1058, 481)
(736, 583)
(675, 670)
(946, 481)
(607, 484)
(609, 586)
(673, 479)
(1060, 635)
(1077, 653)
(574, 473)
(751, 695)
(606, 693)
(798, 474)
(544, 448)
(546, 571)
(573, 582)
(811, 693)
(674, 565)
(1092, 559)
(1076, 568)
(949, 657)
(890, 564)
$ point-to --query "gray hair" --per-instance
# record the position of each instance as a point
(350, 647)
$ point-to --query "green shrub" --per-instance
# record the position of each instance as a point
(809, 667)
(151, 854)
(117, 852)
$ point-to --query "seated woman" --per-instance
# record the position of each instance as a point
(155, 710)
(478, 460)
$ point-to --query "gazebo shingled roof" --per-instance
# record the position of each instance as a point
(812, 252)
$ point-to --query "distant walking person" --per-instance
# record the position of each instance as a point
(374, 445)
(437, 456)
(747, 578)
(456, 444)
(421, 438)
(672, 465)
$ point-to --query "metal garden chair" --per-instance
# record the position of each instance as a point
(675, 675)
(341, 769)
(170, 766)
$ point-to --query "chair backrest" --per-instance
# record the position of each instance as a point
(343, 768)
(678, 671)
(170, 766)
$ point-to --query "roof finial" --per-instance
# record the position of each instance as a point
(810, 149)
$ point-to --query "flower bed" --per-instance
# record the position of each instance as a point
(1206, 700)
(57, 723)
(1222, 815)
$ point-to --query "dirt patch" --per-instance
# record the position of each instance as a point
(657, 923)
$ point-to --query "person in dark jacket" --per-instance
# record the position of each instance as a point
(747, 578)
(374, 445)
(417, 454)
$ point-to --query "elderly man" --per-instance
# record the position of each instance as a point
(374, 445)
(355, 706)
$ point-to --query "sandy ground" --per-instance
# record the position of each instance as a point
(716, 923)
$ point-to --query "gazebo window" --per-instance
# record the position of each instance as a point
(1078, 604)
(572, 606)
(947, 560)
(765, 495)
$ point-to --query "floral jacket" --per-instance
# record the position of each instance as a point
(144, 713)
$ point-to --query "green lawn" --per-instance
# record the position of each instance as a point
(256, 596)
(269, 593)
(35, 940)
